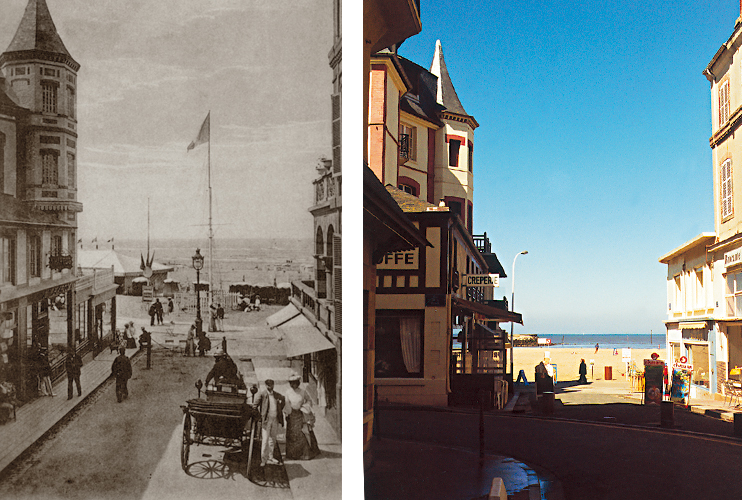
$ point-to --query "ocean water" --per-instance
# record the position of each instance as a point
(607, 341)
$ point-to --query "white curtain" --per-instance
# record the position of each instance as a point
(409, 333)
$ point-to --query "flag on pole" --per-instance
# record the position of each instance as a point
(203, 134)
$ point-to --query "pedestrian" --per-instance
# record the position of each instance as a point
(152, 312)
(190, 349)
(170, 306)
(271, 406)
(204, 344)
(121, 369)
(145, 339)
(220, 317)
(257, 302)
(301, 443)
(73, 366)
(212, 317)
(158, 311)
(45, 373)
(597, 346)
(224, 345)
(583, 372)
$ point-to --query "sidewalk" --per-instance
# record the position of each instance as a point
(36, 418)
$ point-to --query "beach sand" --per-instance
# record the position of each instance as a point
(567, 360)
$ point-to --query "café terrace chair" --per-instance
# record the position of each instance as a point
(731, 390)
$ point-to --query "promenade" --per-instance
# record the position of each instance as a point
(259, 357)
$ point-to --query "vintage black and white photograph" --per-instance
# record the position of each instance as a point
(170, 278)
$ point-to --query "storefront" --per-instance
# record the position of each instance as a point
(696, 340)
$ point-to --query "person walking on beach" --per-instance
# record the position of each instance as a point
(597, 346)
(583, 372)
(73, 366)
(121, 369)
(170, 306)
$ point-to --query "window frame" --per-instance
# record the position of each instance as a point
(8, 259)
(49, 97)
(384, 340)
(49, 172)
(454, 152)
(410, 132)
(34, 255)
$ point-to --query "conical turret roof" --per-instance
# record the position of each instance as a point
(37, 33)
(446, 92)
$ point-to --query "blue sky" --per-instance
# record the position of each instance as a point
(592, 151)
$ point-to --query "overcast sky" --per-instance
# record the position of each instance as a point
(592, 151)
(152, 70)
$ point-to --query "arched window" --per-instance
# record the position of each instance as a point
(319, 243)
(330, 233)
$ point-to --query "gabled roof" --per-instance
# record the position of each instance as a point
(408, 202)
(37, 33)
(123, 265)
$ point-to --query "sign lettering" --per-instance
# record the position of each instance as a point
(733, 257)
(400, 260)
(482, 280)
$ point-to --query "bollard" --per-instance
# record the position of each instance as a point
(667, 414)
(737, 424)
(497, 490)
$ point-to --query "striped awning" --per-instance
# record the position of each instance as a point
(693, 325)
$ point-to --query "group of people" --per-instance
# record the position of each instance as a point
(245, 306)
(301, 443)
(197, 340)
(216, 318)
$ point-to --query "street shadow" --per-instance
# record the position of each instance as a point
(563, 386)
(211, 469)
(296, 470)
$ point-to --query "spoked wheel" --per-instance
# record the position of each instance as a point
(186, 444)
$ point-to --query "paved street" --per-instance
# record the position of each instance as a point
(130, 449)
(590, 460)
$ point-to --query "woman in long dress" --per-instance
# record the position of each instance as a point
(301, 444)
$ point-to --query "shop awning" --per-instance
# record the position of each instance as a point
(492, 313)
(301, 337)
(694, 325)
(282, 316)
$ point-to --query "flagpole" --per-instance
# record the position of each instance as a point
(211, 232)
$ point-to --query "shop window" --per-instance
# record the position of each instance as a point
(675, 352)
(698, 356)
(399, 345)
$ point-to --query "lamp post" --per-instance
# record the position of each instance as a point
(198, 264)
(512, 309)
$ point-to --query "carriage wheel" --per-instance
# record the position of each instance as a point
(186, 445)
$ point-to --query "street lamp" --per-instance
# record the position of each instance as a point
(198, 264)
(512, 309)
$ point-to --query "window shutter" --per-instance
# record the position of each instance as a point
(338, 277)
(727, 203)
(336, 133)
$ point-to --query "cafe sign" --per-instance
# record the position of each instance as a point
(407, 260)
(482, 280)
(733, 258)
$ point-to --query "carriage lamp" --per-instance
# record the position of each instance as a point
(199, 385)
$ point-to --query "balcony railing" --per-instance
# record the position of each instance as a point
(326, 189)
(303, 292)
(482, 242)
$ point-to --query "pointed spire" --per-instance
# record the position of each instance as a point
(37, 33)
(446, 95)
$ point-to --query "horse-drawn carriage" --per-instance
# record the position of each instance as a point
(223, 419)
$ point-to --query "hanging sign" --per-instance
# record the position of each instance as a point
(482, 280)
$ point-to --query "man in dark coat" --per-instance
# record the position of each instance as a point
(121, 369)
(73, 365)
(225, 370)
(152, 314)
(158, 311)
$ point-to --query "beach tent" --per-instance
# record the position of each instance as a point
(125, 269)
(171, 287)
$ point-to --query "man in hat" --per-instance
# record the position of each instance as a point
(224, 371)
(121, 369)
(271, 406)
(73, 366)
